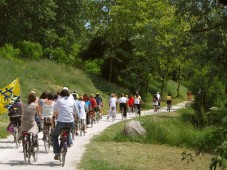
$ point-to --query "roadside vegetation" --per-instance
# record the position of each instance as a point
(169, 139)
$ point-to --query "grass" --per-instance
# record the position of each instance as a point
(137, 156)
(167, 137)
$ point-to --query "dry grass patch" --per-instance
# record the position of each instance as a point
(111, 155)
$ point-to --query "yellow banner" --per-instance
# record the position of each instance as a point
(8, 95)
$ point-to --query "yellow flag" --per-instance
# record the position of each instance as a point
(8, 95)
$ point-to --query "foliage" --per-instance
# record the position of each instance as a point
(8, 51)
(30, 50)
(208, 91)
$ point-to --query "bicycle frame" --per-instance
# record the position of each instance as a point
(64, 144)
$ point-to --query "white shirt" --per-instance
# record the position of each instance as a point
(82, 113)
(112, 102)
(47, 110)
(122, 100)
(158, 96)
(137, 101)
(66, 109)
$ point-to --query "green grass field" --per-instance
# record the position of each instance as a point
(167, 137)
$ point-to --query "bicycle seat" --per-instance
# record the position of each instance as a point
(65, 129)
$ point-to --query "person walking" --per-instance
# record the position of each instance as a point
(65, 111)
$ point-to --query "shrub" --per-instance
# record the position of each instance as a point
(8, 51)
(31, 50)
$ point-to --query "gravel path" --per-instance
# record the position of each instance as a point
(10, 157)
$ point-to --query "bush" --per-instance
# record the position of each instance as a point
(216, 116)
(30, 50)
(8, 51)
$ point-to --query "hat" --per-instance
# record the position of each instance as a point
(32, 92)
(65, 88)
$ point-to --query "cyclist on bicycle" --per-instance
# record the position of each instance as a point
(99, 104)
(65, 110)
(168, 101)
(15, 112)
(82, 113)
(47, 110)
(112, 104)
(93, 105)
(28, 122)
(123, 105)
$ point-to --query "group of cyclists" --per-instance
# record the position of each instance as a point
(125, 104)
(60, 110)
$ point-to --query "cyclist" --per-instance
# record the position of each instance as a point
(112, 104)
(130, 103)
(82, 113)
(159, 99)
(28, 122)
(87, 107)
(123, 105)
(64, 110)
(93, 105)
(15, 112)
(47, 108)
(168, 101)
(155, 103)
(99, 104)
(137, 103)
(77, 103)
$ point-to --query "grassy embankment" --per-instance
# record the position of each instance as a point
(46, 75)
(167, 137)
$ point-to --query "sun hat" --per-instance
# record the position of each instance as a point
(65, 88)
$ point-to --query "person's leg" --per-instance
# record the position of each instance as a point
(139, 109)
(70, 125)
(56, 132)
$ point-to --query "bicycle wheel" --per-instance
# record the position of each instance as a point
(97, 116)
(113, 116)
(46, 141)
(73, 133)
(122, 113)
(35, 151)
(63, 153)
(25, 151)
(91, 120)
(16, 137)
(80, 127)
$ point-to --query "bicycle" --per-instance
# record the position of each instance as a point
(81, 125)
(168, 105)
(136, 111)
(91, 118)
(97, 115)
(64, 141)
(30, 147)
(16, 127)
(123, 111)
(113, 113)
(46, 134)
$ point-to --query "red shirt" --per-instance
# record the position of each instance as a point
(93, 103)
(131, 101)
